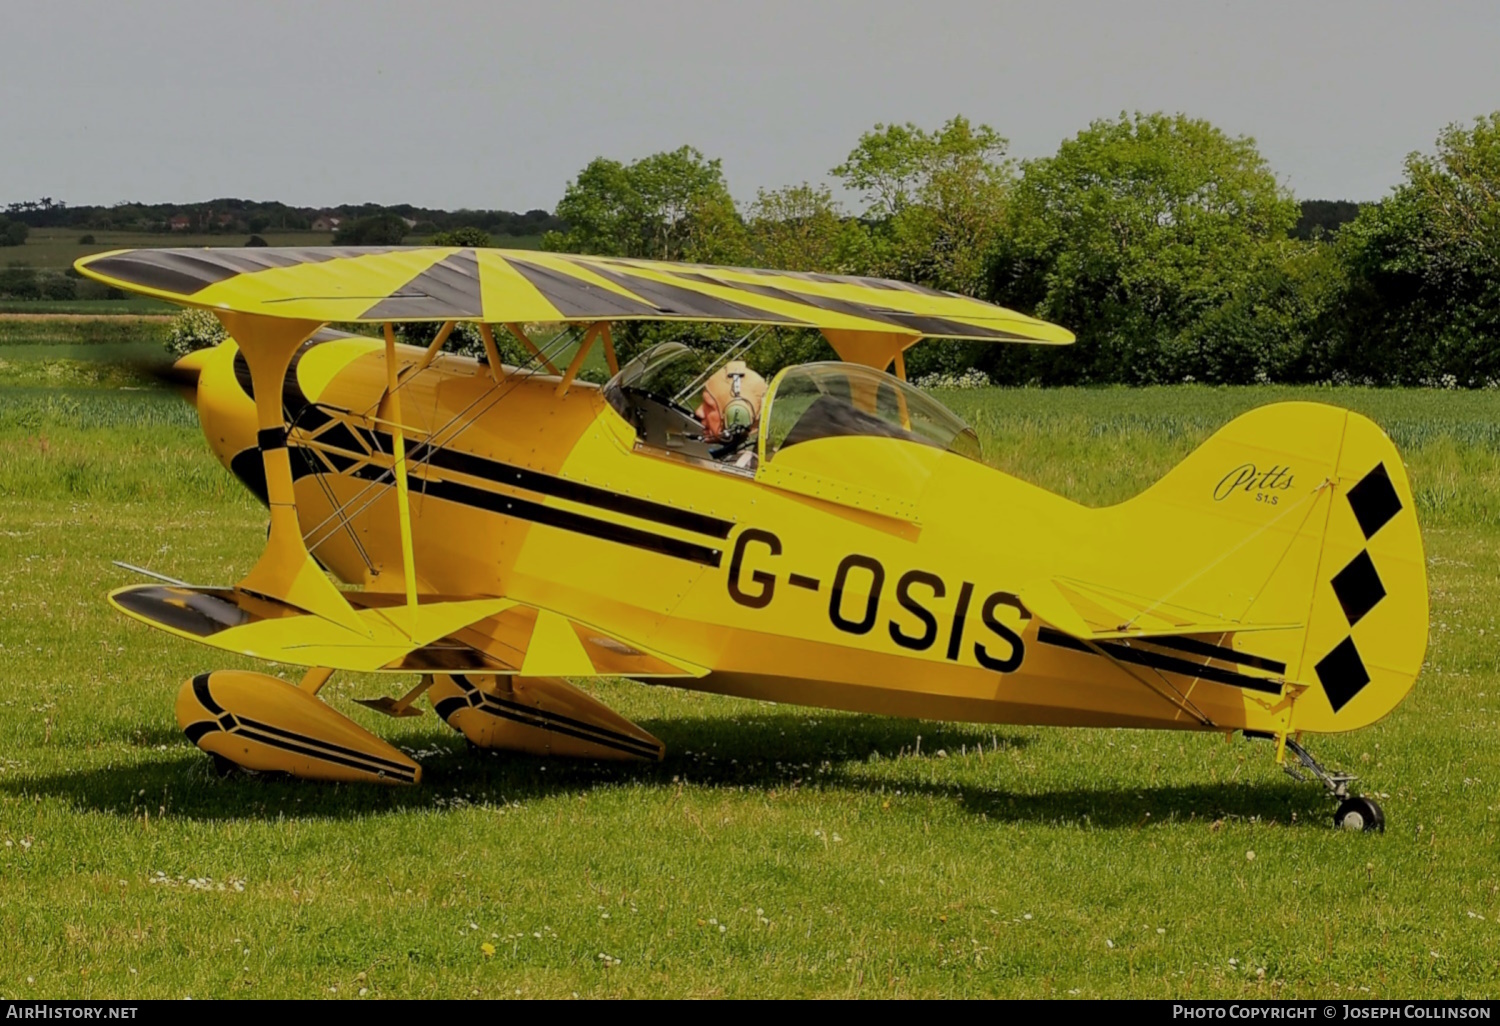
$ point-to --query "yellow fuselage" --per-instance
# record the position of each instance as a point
(860, 573)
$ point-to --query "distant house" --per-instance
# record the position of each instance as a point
(409, 222)
(327, 223)
(180, 223)
(224, 220)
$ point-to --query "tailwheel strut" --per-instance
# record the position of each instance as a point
(1355, 812)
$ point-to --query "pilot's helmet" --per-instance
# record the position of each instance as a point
(734, 393)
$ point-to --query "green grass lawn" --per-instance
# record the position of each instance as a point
(777, 851)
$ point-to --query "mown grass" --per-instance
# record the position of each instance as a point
(776, 851)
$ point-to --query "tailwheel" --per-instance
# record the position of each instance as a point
(258, 723)
(1360, 813)
(1355, 812)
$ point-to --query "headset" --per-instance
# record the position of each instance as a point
(739, 413)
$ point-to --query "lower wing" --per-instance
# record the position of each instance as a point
(461, 635)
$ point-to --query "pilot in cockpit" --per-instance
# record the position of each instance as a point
(730, 413)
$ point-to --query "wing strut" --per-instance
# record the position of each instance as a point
(609, 348)
(492, 352)
(584, 345)
(392, 413)
(435, 347)
(285, 571)
(525, 340)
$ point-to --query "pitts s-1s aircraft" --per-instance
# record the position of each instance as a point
(506, 527)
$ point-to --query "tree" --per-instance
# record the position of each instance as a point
(377, 230)
(1424, 268)
(193, 329)
(13, 233)
(1279, 323)
(797, 228)
(470, 237)
(1323, 218)
(668, 206)
(936, 200)
(1130, 235)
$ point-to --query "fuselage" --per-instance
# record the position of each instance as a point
(863, 573)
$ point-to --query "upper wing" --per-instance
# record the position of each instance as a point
(333, 284)
(483, 635)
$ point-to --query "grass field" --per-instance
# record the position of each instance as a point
(777, 851)
(135, 306)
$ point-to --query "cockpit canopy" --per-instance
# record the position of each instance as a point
(814, 400)
(826, 400)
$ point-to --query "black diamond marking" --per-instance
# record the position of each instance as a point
(1374, 500)
(1358, 587)
(1343, 674)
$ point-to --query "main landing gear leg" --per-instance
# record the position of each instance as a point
(1355, 812)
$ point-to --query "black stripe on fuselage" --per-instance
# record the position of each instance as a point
(536, 513)
(558, 487)
(1157, 660)
(1228, 655)
(524, 509)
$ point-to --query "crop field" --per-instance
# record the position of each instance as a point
(777, 851)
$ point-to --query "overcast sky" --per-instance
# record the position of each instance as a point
(489, 103)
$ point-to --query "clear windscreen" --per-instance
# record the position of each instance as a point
(827, 400)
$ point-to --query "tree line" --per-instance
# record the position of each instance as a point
(238, 216)
(1167, 245)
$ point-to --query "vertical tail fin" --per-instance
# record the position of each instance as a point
(1292, 514)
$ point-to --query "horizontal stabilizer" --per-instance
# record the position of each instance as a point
(1091, 611)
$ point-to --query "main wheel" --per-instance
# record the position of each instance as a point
(1359, 814)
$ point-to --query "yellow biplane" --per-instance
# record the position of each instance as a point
(505, 527)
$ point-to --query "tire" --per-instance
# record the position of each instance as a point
(1359, 814)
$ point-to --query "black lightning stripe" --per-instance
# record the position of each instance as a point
(1158, 661)
(604, 530)
(546, 484)
(1228, 655)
